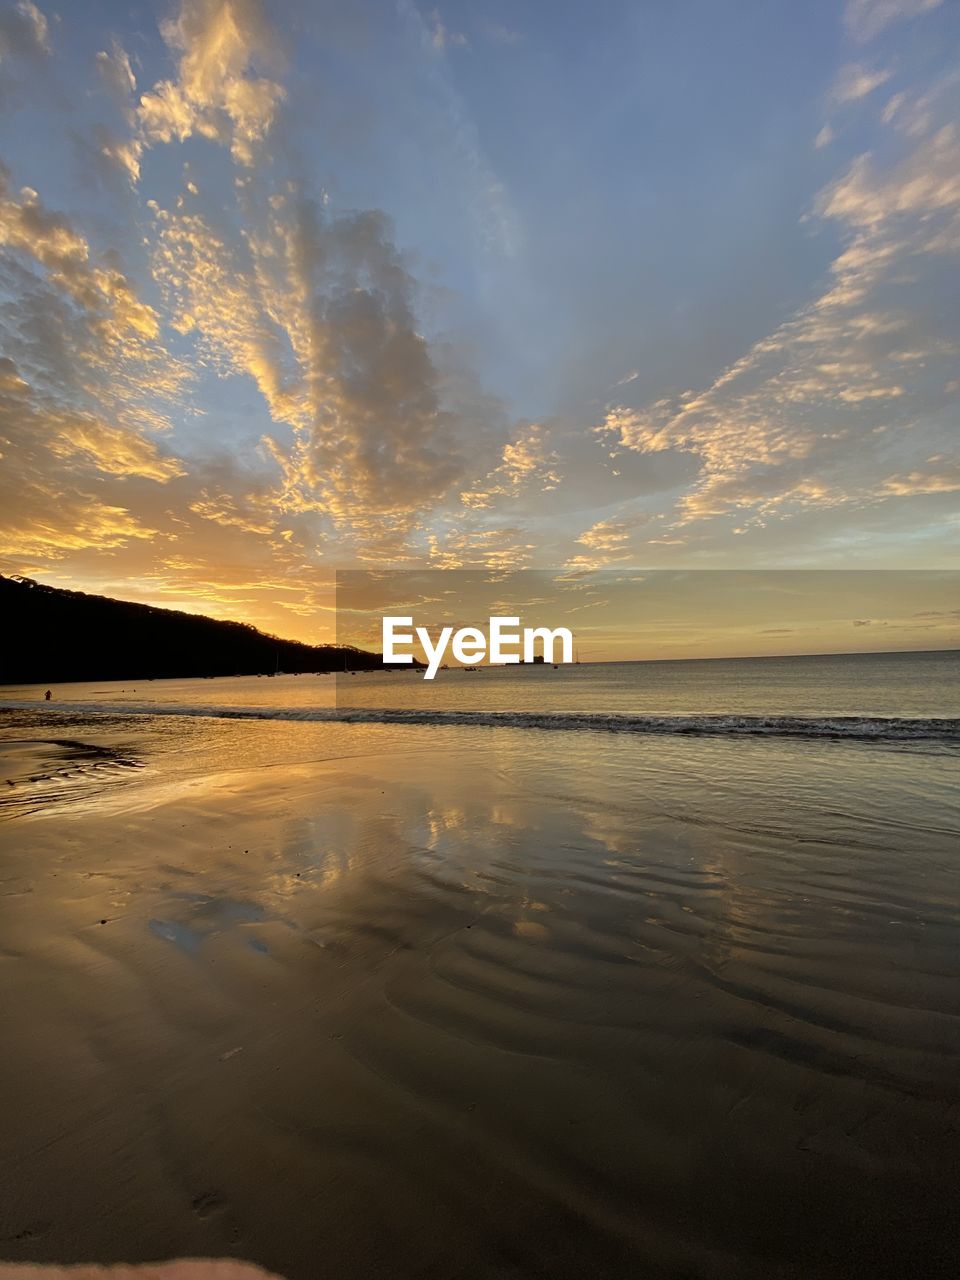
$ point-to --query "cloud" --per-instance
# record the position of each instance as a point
(855, 82)
(212, 292)
(824, 137)
(50, 523)
(99, 288)
(24, 32)
(865, 19)
(253, 513)
(942, 480)
(485, 198)
(380, 440)
(609, 542)
(116, 73)
(345, 427)
(822, 412)
(500, 548)
(215, 94)
(497, 33)
(893, 106)
(526, 461)
(319, 311)
(83, 385)
(112, 156)
(441, 37)
(107, 449)
(529, 458)
(607, 536)
(925, 183)
(366, 433)
(83, 338)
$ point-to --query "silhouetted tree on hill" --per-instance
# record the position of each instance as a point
(49, 634)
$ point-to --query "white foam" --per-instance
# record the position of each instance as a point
(857, 728)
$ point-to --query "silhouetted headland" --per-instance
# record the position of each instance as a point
(52, 635)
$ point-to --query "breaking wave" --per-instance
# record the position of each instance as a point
(855, 728)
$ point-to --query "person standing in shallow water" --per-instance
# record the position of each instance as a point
(47, 696)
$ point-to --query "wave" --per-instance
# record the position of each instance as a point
(854, 728)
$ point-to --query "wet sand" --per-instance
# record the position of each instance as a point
(389, 1018)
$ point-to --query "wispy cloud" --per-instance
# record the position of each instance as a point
(856, 81)
(824, 137)
(865, 19)
(493, 210)
(528, 460)
(818, 413)
(441, 37)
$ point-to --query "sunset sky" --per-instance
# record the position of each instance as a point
(623, 614)
(296, 286)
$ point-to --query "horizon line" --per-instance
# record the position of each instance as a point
(758, 657)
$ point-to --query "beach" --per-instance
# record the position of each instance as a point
(398, 1000)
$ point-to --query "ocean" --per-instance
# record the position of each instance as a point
(892, 700)
(619, 969)
(820, 689)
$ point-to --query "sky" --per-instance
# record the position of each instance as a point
(298, 287)
(626, 615)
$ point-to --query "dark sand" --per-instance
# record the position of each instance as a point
(379, 1020)
(177, 1269)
